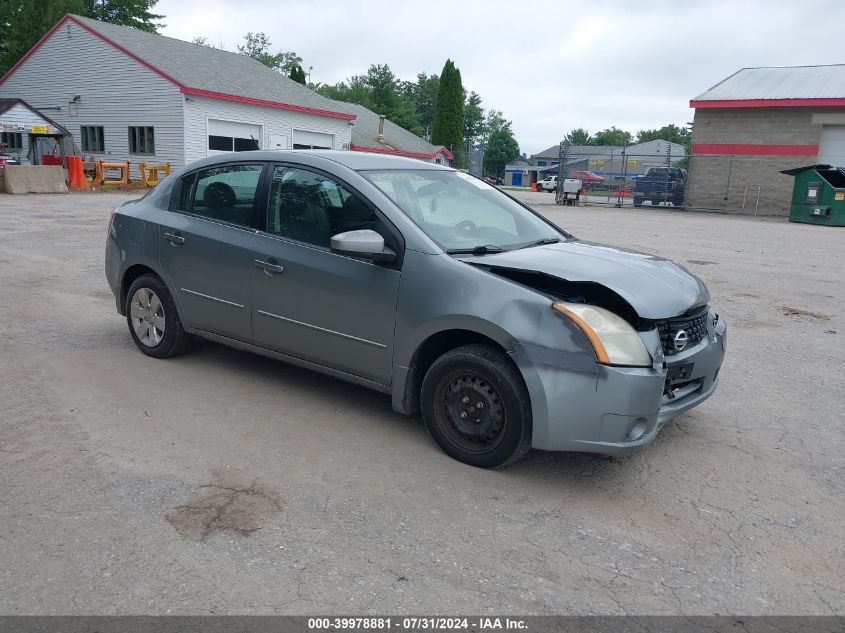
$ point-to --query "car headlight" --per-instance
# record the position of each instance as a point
(612, 337)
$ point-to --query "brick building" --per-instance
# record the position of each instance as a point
(757, 122)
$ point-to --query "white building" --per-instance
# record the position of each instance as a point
(124, 93)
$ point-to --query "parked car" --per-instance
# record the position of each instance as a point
(549, 183)
(661, 184)
(8, 159)
(588, 177)
(424, 283)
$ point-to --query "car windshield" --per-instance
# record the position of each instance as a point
(463, 214)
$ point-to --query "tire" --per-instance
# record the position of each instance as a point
(149, 306)
(638, 202)
(453, 386)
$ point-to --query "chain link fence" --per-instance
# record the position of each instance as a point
(616, 176)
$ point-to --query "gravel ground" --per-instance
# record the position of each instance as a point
(221, 482)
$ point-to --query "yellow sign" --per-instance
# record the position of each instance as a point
(632, 163)
(39, 129)
(597, 162)
(839, 195)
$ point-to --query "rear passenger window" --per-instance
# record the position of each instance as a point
(226, 193)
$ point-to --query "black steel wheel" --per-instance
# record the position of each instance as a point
(476, 406)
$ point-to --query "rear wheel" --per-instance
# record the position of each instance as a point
(153, 321)
(476, 407)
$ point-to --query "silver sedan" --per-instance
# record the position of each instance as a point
(502, 329)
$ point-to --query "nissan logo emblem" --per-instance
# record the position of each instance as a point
(681, 339)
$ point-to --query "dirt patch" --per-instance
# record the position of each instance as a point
(224, 508)
(804, 314)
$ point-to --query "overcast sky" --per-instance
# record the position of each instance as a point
(549, 66)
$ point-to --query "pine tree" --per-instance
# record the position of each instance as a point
(297, 74)
(447, 129)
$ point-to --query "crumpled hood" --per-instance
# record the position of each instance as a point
(656, 288)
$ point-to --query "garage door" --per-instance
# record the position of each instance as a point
(312, 140)
(832, 149)
(232, 136)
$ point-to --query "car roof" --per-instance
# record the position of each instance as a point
(358, 161)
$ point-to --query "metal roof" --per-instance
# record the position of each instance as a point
(820, 85)
(657, 146)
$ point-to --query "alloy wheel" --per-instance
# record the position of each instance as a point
(147, 314)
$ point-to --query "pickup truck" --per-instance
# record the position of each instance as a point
(658, 186)
(549, 183)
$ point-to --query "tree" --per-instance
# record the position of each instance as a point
(612, 136)
(494, 120)
(578, 136)
(501, 149)
(447, 128)
(500, 146)
(135, 13)
(257, 46)
(380, 91)
(473, 117)
(671, 133)
(422, 95)
(297, 74)
(24, 22)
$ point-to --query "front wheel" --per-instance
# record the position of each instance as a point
(476, 407)
(153, 322)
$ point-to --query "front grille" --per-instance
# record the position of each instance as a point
(695, 326)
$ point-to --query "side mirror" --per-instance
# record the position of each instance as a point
(364, 243)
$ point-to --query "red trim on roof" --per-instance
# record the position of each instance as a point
(182, 87)
(767, 103)
(399, 152)
(754, 149)
(270, 104)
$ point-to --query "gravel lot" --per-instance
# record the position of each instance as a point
(221, 482)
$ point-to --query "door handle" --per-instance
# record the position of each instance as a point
(174, 238)
(268, 267)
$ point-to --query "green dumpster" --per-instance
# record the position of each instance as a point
(818, 196)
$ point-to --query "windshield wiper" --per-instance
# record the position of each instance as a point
(542, 242)
(484, 249)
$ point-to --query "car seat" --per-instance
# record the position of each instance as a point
(354, 215)
(299, 213)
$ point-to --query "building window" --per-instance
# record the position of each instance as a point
(303, 146)
(141, 140)
(231, 144)
(11, 140)
(93, 139)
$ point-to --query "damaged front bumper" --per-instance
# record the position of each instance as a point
(615, 410)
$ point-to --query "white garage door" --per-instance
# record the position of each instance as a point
(232, 136)
(312, 140)
(832, 149)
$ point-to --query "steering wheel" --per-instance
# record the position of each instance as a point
(465, 225)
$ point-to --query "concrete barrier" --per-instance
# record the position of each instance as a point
(35, 179)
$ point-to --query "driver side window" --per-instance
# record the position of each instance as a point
(309, 207)
(225, 193)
